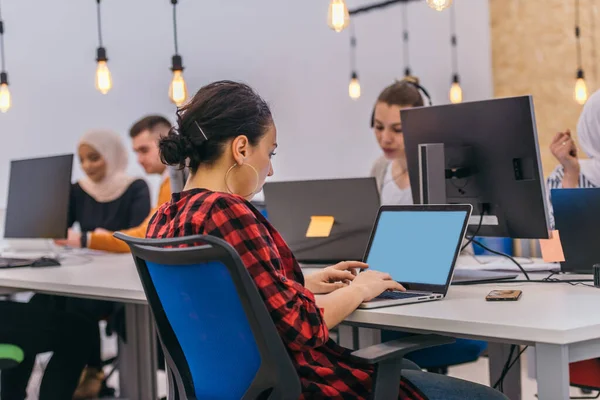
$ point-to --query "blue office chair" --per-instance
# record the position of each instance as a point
(217, 335)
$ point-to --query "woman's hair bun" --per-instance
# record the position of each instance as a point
(175, 149)
(411, 78)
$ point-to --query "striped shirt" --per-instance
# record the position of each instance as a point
(555, 181)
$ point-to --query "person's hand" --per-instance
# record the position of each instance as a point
(73, 240)
(332, 278)
(564, 149)
(373, 283)
(101, 231)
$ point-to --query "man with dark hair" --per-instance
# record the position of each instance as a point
(145, 135)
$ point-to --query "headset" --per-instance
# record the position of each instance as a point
(421, 90)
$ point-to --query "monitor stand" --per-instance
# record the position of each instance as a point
(432, 187)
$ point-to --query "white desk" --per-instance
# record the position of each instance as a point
(561, 321)
(111, 278)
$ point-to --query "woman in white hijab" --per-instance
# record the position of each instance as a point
(106, 198)
(572, 171)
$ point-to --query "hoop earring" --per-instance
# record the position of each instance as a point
(238, 165)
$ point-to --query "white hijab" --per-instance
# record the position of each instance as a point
(588, 132)
(115, 183)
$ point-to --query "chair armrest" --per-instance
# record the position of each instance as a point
(398, 348)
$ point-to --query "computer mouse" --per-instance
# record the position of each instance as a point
(46, 262)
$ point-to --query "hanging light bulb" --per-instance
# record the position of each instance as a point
(178, 89)
(580, 94)
(338, 17)
(354, 87)
(103, 78)
(5, 102)
(456, 95)
(439, 5)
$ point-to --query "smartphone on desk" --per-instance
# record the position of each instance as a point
(504, 295)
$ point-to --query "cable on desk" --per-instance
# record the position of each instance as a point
(511, 281)
(503, 255)
(472, 237)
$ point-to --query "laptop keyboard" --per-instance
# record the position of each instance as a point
(398, 295)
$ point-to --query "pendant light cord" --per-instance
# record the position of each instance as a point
(578, 35)
(352, 48)
(99, 18)
(593, 13)
(174, 2)
(453, 40)
(3, 62)
(405, 38)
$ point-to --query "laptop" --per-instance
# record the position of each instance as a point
(418, 246)
(323, 221)
(577, 218)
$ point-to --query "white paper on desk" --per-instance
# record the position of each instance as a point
(488, 263)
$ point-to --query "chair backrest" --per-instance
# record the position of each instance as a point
(219, 339)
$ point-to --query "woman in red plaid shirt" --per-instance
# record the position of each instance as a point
(227, 137)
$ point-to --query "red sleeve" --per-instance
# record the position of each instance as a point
(293, 308)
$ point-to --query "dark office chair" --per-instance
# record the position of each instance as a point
(217, 335)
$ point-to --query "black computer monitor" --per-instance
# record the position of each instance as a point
(353, 204)
(38, 198)
(484, 153)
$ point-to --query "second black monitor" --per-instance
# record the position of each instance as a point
(491, 160)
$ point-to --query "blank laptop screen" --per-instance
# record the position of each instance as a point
(416, 246)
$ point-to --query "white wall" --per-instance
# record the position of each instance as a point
(282, 48)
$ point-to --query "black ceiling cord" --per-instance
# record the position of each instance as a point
(2, 59)
(174, 2)
(405, 49)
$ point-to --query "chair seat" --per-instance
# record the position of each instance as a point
(10, 356)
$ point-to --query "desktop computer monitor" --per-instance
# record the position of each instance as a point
(38, 198)
(484, 153)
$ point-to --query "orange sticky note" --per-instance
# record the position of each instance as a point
(320, 226)
(552, 250)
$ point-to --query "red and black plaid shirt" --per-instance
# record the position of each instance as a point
(324, 368)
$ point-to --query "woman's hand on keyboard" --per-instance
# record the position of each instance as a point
(332, 278)
(373, 283)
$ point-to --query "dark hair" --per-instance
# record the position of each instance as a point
(148, 123)
(219, 112)
(401, 93)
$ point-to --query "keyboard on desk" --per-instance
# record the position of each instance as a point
(399, 295)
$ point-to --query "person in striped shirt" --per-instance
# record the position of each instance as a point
(573, 172)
